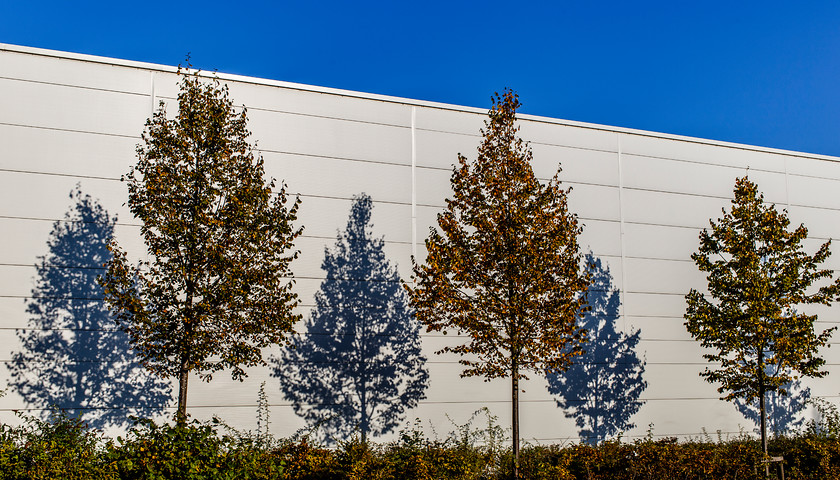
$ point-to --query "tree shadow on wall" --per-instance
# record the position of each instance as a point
(783, 411)
(601, 389)
(358, 367)
(73, 355)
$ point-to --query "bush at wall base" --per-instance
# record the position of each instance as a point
(63, 447)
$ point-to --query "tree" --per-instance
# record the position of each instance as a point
(72, 356)
(601, 389)
(217, 287)
(758, 276)
(359, 365)
(506, 267)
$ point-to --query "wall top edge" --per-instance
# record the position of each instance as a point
(4, 47)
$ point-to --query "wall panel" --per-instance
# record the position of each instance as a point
(669, 175)
(449, 120)
(821, 222)
(34, 149)
(813, 167)
(602, 238)
(673, 277)
(579, 165)
(330, 137)
(670, 209)
(699, 151)
(660, 242)
(551, 133)
(47, 196)
(88, 75)
(66, 121)
(440, 149)
(315, 104)
(339, 178)
(71, 108)
(815, 192)
(594, 202)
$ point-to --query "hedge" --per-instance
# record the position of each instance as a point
(63, 447)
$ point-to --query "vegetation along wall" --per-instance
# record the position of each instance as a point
(69, 126)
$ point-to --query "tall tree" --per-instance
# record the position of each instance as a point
(359, 365)
(72, 355)
(505, 267)
(601, 389)
(217, 287)
(758, 277)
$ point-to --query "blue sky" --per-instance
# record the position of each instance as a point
(763, 73)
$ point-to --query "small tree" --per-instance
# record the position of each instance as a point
(72, 355)
(217, 288)
(506, 267)
(359, 365)
(601, 389)
(758, 276)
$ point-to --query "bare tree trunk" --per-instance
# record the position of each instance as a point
(183, 378)
(762, 411)
(190, 317)
(184, 368)
(515, 402)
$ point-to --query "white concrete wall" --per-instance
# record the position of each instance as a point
(70, 119)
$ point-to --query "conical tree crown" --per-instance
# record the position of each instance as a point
(505, 266)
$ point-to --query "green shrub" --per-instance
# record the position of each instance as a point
(253, 459)
(357, 460)
(59, 447)
(539, 463)
(194, 452)
(303, 461)
(64, 447)
(152, 452)
(460, 462)
(10, 462)
(415, 458)
(808, 456)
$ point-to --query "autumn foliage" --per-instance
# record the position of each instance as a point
(217, 286)
(759, 279)
(505, 267)
(65, 448)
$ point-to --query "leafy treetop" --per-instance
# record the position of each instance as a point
(217, 287)
(505, 267)
(758, 274)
